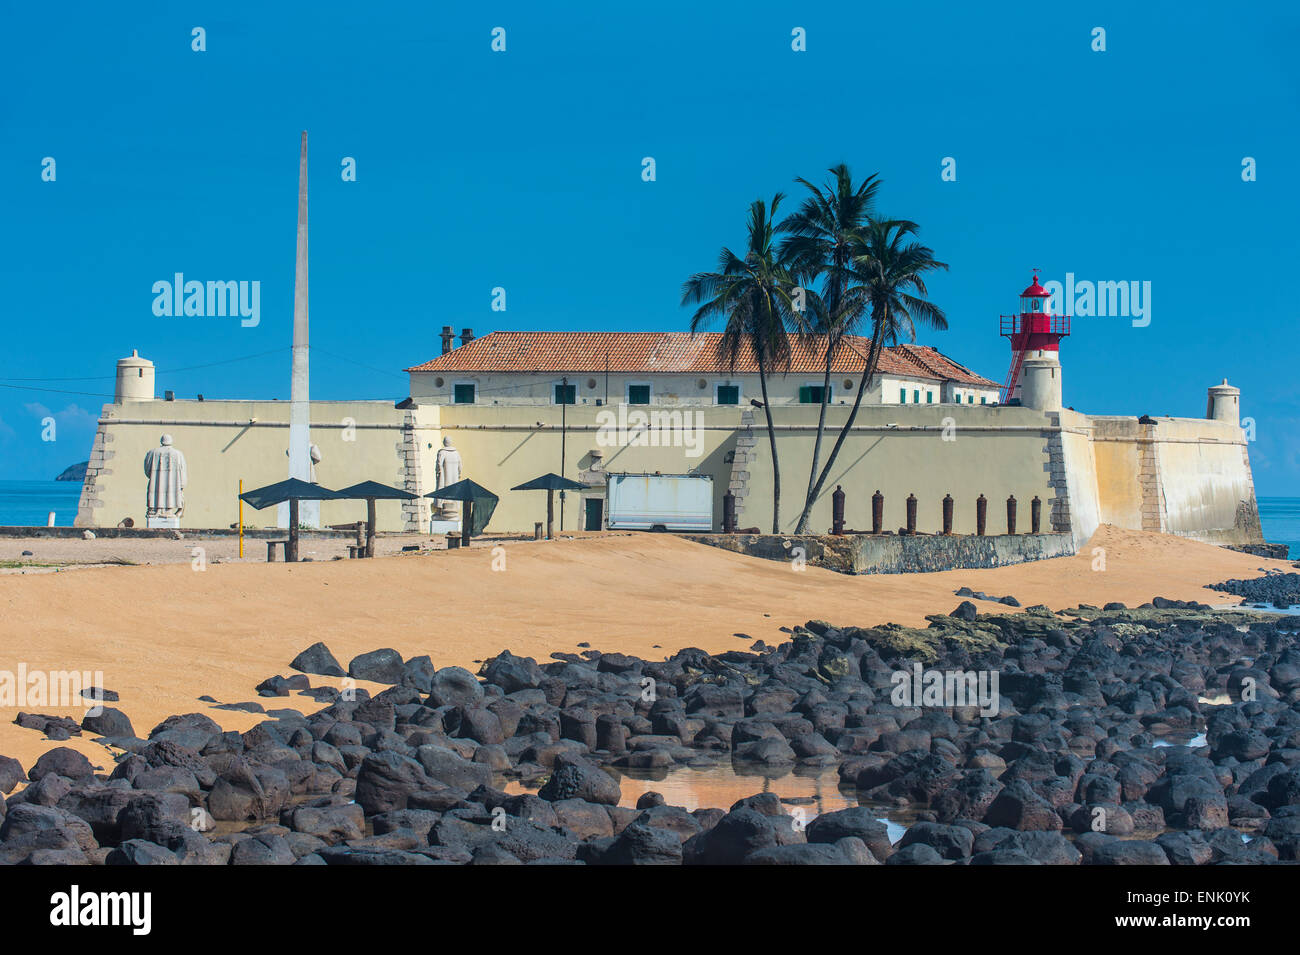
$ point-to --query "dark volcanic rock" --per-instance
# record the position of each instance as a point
(62, 761)
(378, 666)
(639, 844)
(11, 774)
(108, 722)
(735, 836)
(386, 780)
(1019, 807)
(574, 777)
(858, 822)
(317, 659)
(414, 775)
(454, 686)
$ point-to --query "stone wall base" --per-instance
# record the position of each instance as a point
(894, 553)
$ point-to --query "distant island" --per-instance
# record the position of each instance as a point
(75, 472)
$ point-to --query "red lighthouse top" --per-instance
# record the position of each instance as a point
(1034, 330)
(1035, 290)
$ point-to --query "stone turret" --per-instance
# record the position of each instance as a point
(1224, 403)
(135, 379)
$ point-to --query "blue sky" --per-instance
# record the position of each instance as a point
(522, 170)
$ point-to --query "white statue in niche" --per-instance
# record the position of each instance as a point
(164, 496)
(447, 466)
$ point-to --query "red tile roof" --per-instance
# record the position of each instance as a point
(678, 353)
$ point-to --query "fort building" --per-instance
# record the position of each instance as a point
(1186, 476)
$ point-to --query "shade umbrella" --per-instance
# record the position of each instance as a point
(372, 491)
(292, 490)
(479, 501)
(550, 483)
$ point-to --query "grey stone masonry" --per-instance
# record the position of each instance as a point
(742, 456)
(100, 455)
(415, 513)
(1054, 451)
(1248, 511)
(1153, 509)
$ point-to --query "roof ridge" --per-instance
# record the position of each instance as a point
(924, 358)
(674, 352)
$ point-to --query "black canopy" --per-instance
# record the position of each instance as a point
(484, 501)
(373, 489)
(551, 482)
(290, 490)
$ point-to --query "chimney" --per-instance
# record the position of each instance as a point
(447, 338)
(466, 336)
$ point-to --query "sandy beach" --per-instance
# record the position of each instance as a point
(164, 634)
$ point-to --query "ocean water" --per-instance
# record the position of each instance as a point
(1280, 517)
(28, 503)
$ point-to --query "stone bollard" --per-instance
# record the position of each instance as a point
(1011, 514)
(911, 514)
(837, 511)
(981, 514)
(537, 531)
(877, 512)
(729, 512)
(947, 514)
(1035, 515)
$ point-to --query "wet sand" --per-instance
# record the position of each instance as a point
(164, 634)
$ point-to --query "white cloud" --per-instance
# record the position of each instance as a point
(72, 416)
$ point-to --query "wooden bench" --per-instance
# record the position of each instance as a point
(270, 550)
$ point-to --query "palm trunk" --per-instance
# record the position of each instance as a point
(771, 436)
(868, 372)
(802, 526)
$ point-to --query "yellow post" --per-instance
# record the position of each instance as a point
(241, 520)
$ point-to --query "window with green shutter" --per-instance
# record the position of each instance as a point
(810, 395)
(929, 397)
(728, 394)
(638, 394)
(464, 394)
(916, 396)
(902, 396)
(566, 394)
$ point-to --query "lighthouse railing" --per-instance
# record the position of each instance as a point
(1010, 326)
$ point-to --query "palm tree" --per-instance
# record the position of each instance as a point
(824, 235)
(888, 278)
(753, 295)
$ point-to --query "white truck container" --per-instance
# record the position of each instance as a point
(661, 502)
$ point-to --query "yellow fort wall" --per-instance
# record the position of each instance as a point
(226, 441)
(934, 450)
(1184, 476)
